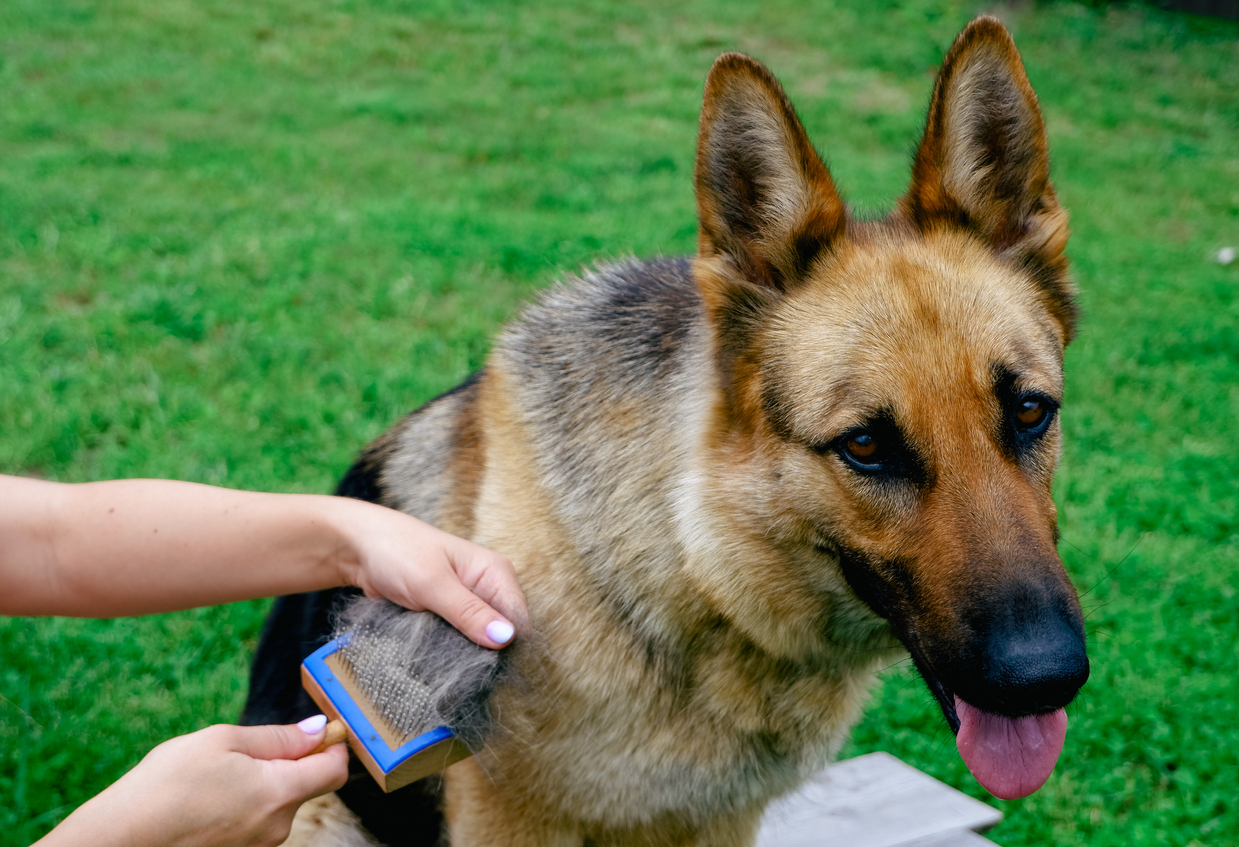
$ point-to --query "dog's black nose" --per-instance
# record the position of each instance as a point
(1035, 669)
(1026, 655)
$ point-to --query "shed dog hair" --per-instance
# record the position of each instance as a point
(736, 485)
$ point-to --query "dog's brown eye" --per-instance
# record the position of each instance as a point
(878, 450)
(862, 446)
(1031, 411)
(1031, 416)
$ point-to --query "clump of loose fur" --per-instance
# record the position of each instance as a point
(418, 671)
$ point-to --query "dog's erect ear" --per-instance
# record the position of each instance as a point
(984, 163)
(764, 198)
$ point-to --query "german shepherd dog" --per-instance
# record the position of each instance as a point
(736, 485)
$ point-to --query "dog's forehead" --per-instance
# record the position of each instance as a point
(885, 322)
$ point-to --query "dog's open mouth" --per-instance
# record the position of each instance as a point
(1011, 757)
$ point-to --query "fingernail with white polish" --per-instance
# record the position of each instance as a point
(499, 632)
(314, 725)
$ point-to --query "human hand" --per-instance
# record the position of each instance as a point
(223, 786)
(420, 567)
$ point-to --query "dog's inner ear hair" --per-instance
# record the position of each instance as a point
(984, 164)
(764, 198)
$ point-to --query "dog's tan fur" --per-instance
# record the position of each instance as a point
(657, 448)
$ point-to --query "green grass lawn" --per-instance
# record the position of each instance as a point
(240, 239)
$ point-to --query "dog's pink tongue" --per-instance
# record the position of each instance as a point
(1010, 757)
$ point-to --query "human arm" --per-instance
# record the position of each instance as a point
(130, 547)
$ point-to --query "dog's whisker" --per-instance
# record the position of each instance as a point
(1115, 568)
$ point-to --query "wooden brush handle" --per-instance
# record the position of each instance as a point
(333, 733)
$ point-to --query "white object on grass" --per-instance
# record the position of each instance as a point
(876, 801)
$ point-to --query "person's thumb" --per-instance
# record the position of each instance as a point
(313, 775)
(280, 741)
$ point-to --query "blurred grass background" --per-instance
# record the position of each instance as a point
(240, 239)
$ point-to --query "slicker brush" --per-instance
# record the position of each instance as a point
(409, 688)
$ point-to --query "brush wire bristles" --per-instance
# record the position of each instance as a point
(417, 671)
(397, 693)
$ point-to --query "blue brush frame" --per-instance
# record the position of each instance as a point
(365, 732)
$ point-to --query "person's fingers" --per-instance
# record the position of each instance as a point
(498, 587)
(491, 577)
(312, 776)
(469, 613)
(277, 741)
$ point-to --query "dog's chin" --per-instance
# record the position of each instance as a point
(1010, 756)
